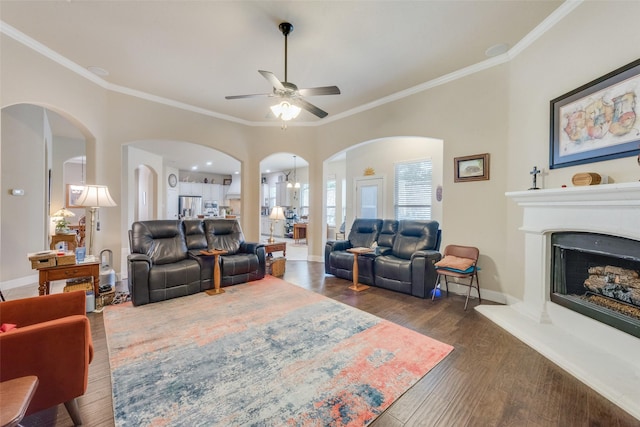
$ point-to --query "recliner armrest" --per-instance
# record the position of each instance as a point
(140, 257)
(433, 256)
(138, 268)
(250, 247)
(383, 250)
(339, 245)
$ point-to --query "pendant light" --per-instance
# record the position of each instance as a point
(295, 176)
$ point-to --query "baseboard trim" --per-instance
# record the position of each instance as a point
(21, 281)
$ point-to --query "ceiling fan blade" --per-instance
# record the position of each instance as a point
(310, 108)
(325, 90)
(254, 95)
(272, 79)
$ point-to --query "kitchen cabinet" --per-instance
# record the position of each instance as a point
(191, 189)
(265, 224)
(278, 229)
(264, 195)
(265, 227)
(172, 204)
(283, 194)
(212, 192)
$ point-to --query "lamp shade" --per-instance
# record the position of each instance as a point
(63, 213)
(277, 213)
(285, 110)
(95, 196)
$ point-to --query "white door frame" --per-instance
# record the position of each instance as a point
(378, 180)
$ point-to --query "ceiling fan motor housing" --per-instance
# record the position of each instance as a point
(286, 28)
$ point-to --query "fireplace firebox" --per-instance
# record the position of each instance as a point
(598, 276)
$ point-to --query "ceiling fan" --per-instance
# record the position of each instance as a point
(292, 97)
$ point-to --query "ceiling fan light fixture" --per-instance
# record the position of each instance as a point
(285, 111)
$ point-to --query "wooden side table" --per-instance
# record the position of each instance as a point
(300, 232)
(216, 270)
(358, 251)
(15, 396)
(72, 271)
(269, 248)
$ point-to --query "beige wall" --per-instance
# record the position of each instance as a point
(502, 111)
(22, 218)
(576, 51)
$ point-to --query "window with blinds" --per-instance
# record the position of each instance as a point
(331, 202)
(412, 195)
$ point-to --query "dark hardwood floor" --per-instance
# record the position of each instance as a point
(490, 379)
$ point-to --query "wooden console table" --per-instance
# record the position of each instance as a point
(72, 271)
(269, 248)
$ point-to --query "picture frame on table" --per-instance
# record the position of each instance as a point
(226, 181)
(73, 193)
(471, 168)
(597, 121)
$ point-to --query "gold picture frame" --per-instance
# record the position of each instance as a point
(471, 168)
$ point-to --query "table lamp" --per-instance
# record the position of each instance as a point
(277, 213)
(94, 197)
(60, 217)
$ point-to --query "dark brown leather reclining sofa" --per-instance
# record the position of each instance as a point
(402, 261)
(165, 260)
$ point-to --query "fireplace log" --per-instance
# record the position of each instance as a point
(621, 276)
(614, 282)
(600, 285)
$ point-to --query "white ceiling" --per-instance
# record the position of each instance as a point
(196, 52)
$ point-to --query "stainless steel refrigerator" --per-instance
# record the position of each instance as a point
(189, 206)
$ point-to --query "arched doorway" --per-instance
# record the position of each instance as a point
(375, 160)
(36, 144)
(285, 184)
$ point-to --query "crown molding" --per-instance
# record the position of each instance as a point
(556, 16)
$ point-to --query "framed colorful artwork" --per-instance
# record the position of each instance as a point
(597, 121)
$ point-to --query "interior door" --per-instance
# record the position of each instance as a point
(369, 198)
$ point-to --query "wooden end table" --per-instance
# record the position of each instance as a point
(357, 251)
(71, 271)
(269, 248)
(215, 253)
(300, 232)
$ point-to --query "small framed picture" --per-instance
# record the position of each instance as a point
(226, 181)
(471, 168)
(73, 192)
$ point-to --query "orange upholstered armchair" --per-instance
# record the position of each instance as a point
(52, 341)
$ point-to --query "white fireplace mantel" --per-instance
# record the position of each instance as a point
(575, 342)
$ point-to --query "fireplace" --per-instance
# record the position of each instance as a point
(567, 231)
(598, 276)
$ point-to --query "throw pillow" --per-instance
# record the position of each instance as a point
(6, 327)
(455, 263)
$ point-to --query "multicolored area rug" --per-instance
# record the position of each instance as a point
(265, 353)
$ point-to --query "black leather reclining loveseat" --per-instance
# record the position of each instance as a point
(165, 260)
(403, 258)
